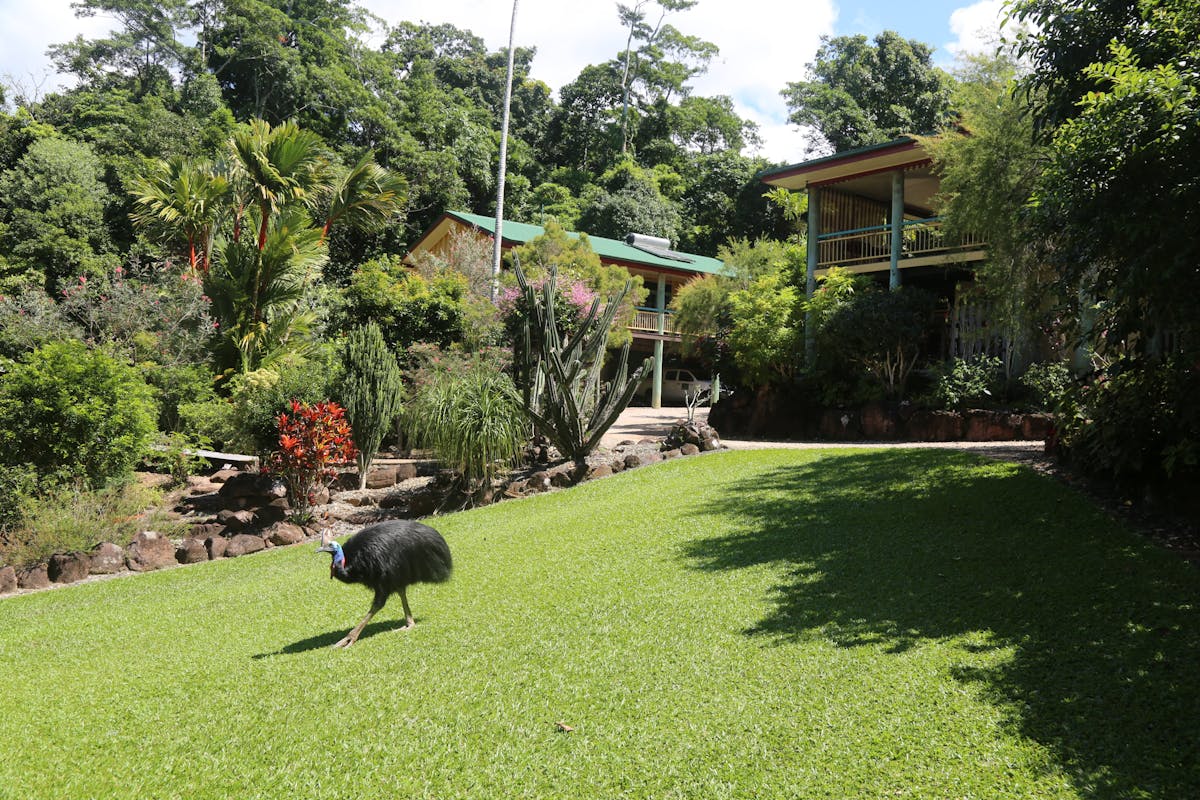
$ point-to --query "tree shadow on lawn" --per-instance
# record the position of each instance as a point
(894, 548)
(330, 638)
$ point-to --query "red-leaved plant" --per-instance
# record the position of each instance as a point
(311, 440)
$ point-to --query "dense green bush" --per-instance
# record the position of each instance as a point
(876, 334)
(1137, 424)
(1045, 385)
(258, 398)
(407, 307)
(969, 382)
(75, 415)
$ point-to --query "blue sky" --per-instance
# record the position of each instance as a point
(764, 43)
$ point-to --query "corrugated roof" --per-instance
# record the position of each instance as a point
(607, 249)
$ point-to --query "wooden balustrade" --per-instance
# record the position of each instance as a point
(921, 237)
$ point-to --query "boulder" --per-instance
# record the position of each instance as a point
(689, 450)
(617, 465)
(68, 567)
(991, 426)
(243, 543)
(354, 499)
(562, 479)
(1037, 426)
(272, 488)
(204, 530)
(223, 475)
(668, 454)
(423, 503)
(515, 489)
(381, 477)
(191, 551)
(270, 514)
(405, 471)
(33, 577)
(236, 520)
(539, 481)
(394, 500)
(243, 484)
(284, 533)
(935, 426)
(8, 580)
(149, 551)
(878, 422)
(599, 471)
(216, 546)
(634, 460)
(105, 559)
(198, 484)
(319, 496)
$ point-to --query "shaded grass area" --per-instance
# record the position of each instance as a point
(756, 624)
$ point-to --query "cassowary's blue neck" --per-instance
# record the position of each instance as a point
(337, 568)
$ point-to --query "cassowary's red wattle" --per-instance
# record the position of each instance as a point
(388, 557)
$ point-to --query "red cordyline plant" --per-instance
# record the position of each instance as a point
(312, 438)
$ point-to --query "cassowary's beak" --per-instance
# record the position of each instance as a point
(325, 548)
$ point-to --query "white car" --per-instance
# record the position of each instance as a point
(676, 382)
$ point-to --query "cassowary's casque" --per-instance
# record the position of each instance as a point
(388, 557)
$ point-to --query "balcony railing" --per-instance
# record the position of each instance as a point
(920, 238)
(645, 320)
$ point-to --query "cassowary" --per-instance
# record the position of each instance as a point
(388, 557)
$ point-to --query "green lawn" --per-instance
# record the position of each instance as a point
(777, 624)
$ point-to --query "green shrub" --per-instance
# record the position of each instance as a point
(473, 420)
(1046, 384)
(969, 382)
(66, 519)
(213, 421)
(407, 307)
(176, 386)
(75, 415)
(260, 396)
(876, 333)
(1138, 424)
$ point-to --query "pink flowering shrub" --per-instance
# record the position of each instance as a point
(573, 299)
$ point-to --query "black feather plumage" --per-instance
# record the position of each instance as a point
(388, 557)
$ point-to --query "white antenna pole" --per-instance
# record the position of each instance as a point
(497, 245)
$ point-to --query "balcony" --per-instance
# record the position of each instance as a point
(645, 325)
(869, 249)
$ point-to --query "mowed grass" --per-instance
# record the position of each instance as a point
(818, 624)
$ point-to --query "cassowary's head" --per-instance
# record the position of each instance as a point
(328, 545)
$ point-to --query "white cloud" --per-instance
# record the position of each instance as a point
(29, 30)
(977, 27)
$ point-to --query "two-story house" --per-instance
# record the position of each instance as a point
(870, 211)
(662, 270)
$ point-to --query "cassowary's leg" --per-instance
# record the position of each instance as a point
(352, 636)
(410, 623)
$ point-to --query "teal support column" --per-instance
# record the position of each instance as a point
(661, 305)
(897, 227)
(810, 278)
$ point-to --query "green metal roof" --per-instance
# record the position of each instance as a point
(607, 249)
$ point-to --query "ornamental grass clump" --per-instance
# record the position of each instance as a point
(472, 420)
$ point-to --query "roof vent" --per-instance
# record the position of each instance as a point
(655, 246)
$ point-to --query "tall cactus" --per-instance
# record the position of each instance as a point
(564, 396)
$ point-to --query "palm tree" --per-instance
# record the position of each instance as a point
(277, 167)
(366, 196)
(181, 197)
(257, 293)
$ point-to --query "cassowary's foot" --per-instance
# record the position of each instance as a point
(346, 642)
(408, 626)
